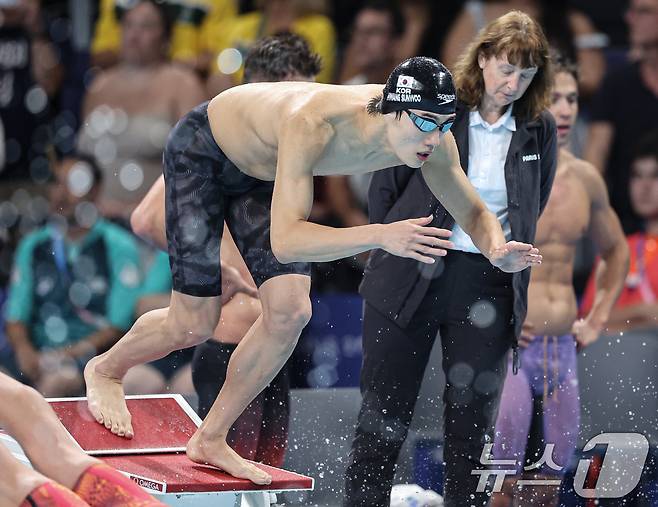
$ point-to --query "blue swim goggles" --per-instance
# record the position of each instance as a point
(425, 125)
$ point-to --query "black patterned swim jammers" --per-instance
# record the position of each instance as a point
(202, 189)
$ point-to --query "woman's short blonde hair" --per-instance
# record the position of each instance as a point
(520, 38)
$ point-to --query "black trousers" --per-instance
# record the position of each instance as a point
(470, 303)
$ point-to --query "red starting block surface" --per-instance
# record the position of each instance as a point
(155, 458)
(174, 473)
(161, 424)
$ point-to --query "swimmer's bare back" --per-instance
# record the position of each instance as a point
(252, 123)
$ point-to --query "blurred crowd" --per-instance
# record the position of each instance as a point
(89, 91)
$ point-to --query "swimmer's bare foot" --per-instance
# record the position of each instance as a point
(106, 400)
(218, 453)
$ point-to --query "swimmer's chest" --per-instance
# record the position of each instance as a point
(334, 159)
(338, 157)
(258, 153)
(347, 154)
(567, 214)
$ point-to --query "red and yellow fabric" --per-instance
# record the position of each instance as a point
(103, 486)
(642, 279)
(52, 494)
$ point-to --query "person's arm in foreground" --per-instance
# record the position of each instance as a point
(448, 182)
(295, 239)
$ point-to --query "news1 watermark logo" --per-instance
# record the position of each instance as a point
(620, 472)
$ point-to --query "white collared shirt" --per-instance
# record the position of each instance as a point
(487, 151)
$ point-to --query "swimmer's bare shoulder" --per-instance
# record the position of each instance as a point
(591, 180)
(279, 101)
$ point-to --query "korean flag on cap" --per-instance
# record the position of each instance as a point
(408, 82)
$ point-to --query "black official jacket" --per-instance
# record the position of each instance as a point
(395, 286)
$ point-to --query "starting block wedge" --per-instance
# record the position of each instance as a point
(155, 457)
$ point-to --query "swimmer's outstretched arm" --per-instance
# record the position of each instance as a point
(449, 183)
(295, 239)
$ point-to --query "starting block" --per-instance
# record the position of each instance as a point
(155, 457)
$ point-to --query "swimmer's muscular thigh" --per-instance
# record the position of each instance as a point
(148, 222)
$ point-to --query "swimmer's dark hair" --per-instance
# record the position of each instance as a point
(562, 63)
(279, 56)
(374, 107)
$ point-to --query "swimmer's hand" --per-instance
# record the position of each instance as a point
(233, 283)
(514, 256)
(585, 332)
(411, 238)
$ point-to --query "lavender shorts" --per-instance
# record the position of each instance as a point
(540, 406)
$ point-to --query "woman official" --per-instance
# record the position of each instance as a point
(507, 146)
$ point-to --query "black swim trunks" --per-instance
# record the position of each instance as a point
(202, 189)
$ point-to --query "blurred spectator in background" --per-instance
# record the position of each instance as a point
(383, 33)
(70, 26)
(417, 20)
(129, 109)
(637, 306)
(607, 17)
(74, 284)
(2, 145)
(370, 54)
(196, 26)
(368, 58)
(30, 75)
(626, 108)
(427, 24)
(641, 17)
(303, 17)
(566, 29)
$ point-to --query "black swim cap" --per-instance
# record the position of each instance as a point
(420, 83)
